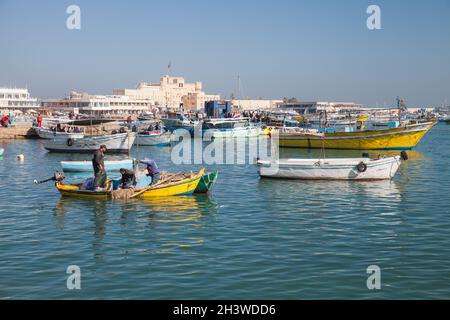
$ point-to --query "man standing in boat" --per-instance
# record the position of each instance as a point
(98, 162)
(152, 169)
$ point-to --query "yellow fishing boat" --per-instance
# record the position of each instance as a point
(185, 186)
(401, 138)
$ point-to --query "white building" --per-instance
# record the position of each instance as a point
(249, 104)
(98, 104)
(16, 99)
(317, 106)
(173, 92)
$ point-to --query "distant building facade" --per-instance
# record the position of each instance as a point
(311, 107)
(98, 104)
(173, 92)
(17, 99)
(257, 104)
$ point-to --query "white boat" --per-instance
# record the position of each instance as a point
(1, 152)
(230, 128)
(177, 120)
(332, 169)
(45, 133)
(153, 138)
(86, 166)
(115, 143)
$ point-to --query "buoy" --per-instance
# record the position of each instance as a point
(20, 157)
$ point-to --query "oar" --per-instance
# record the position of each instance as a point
(154, 185)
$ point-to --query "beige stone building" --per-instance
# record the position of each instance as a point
(172, 92)
(196, 101)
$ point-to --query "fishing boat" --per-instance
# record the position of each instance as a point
(401, 138)
(332, 169)
(230, 128)
(445, 120)
(177, 120)
(146, 116)
(45, 133)
(184, 186)
(86, 166)
(153, 138)
(207, 182)
(115, 143)
(89, 121)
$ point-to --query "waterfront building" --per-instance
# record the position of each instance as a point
(311, 107)
(172, 92)
(196, 101)
(98, 104)
(255, 104)
(13, 99)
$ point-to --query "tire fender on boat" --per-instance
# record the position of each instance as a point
(361, 167)
(404, 155)
(70, 142)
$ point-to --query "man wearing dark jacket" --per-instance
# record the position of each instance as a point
(98, 162)
(128, 179)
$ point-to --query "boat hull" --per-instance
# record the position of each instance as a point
(207, 182)
(117, 143)
(181, 189)
(330, 169)
(86, 166)
(234, 133)
(49, 134)
(403, 138)
(153, 139)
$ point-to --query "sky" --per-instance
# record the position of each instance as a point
(311, 50)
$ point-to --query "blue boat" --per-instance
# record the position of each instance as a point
(86, 166)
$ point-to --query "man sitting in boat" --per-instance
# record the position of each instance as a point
(152, 170)
(88, 184)
(98, 162)
(128, 179)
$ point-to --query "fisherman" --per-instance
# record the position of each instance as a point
(152, 170)
(128, 179)
(98, 162)
(39, 120)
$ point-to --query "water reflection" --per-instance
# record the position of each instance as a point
(178, 209)
(381, 188)
(162, 223)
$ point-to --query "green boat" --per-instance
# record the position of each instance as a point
(207, 182)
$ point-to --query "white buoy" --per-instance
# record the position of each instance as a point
(20, 157)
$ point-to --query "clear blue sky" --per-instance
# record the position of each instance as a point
(312, 50)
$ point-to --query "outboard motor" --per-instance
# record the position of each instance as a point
(57, 176)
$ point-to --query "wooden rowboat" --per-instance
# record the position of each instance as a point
(185, 186)
(331, 169)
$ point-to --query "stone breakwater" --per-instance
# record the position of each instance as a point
(27, 132)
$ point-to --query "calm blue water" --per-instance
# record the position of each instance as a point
(250, 239)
